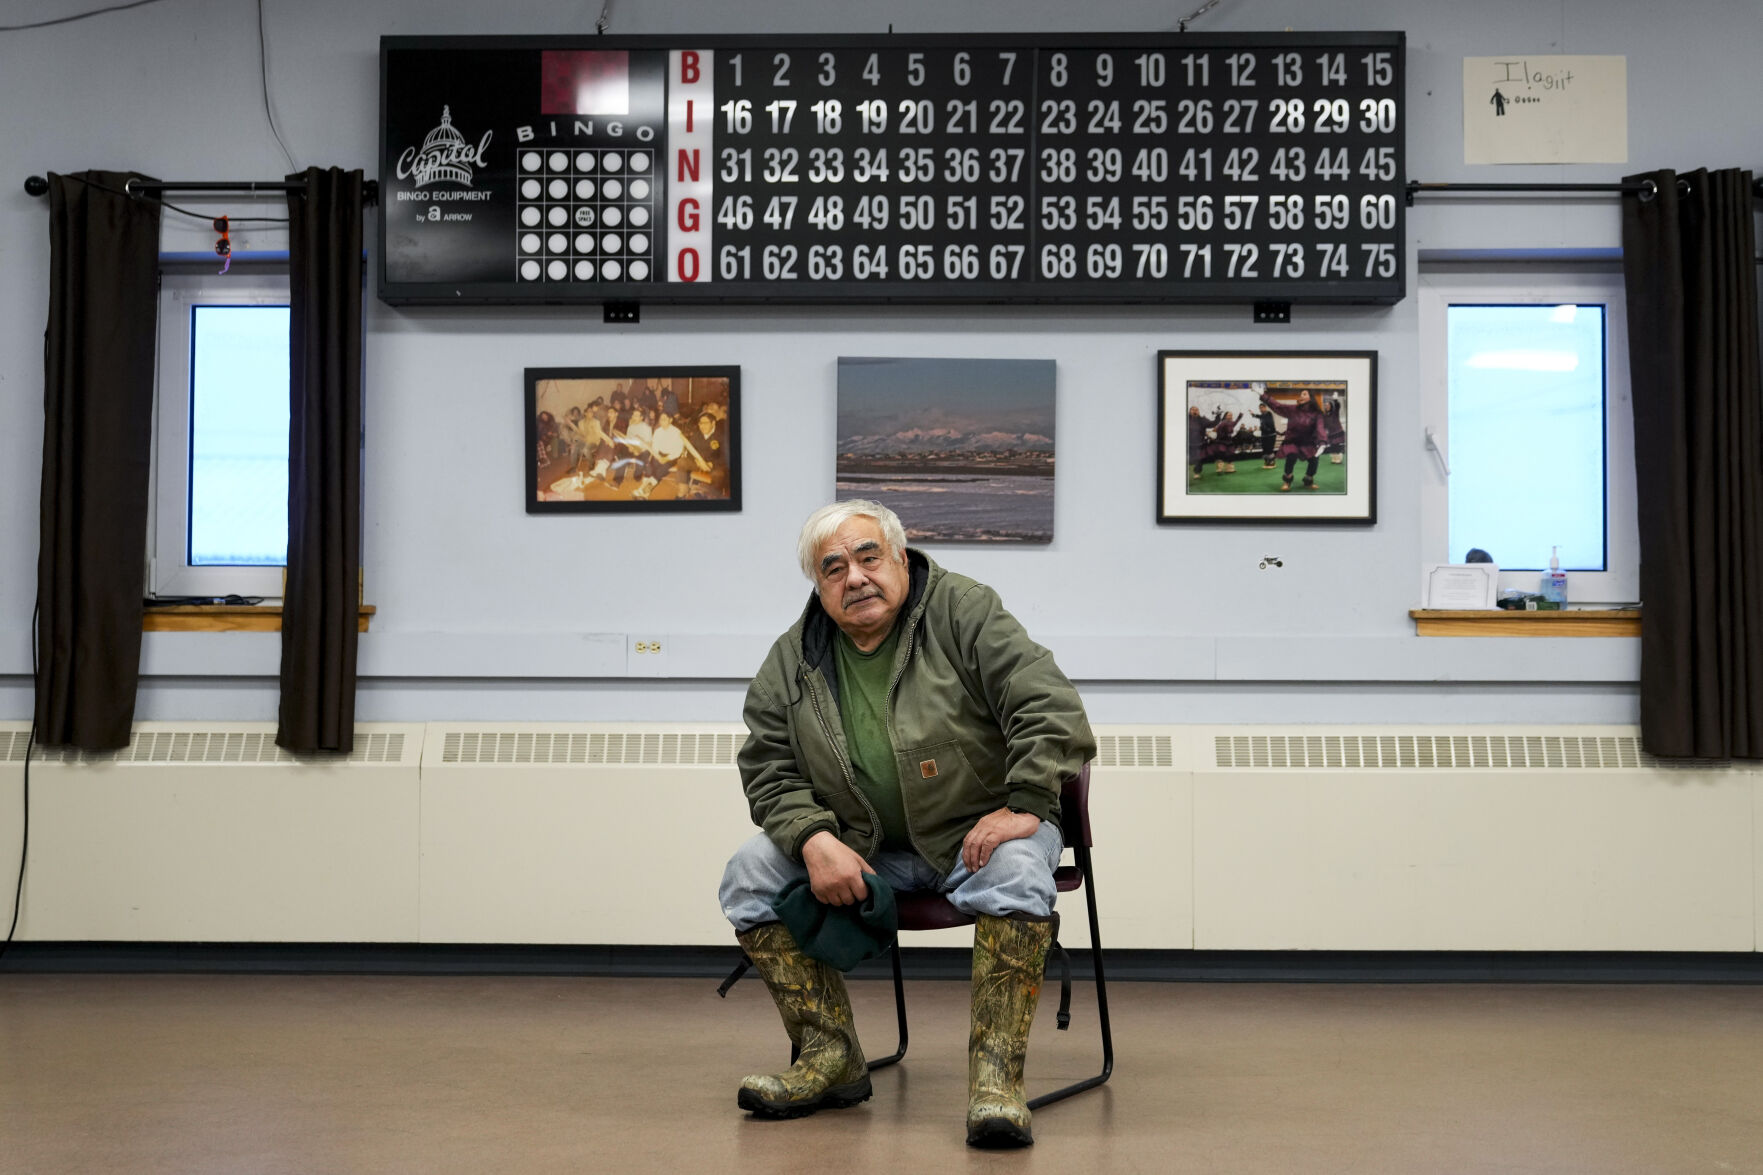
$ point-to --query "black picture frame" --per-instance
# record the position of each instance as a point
(573, 467)
(1309, 470)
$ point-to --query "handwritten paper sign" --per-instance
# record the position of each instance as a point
(1545, 109)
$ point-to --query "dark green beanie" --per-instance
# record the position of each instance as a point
(840, 936)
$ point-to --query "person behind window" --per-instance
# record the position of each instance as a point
(905, 728)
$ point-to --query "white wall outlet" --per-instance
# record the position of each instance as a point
(646, 656)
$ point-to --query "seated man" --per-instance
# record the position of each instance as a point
(905, 727)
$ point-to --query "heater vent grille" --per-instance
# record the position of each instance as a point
(1432, 751)
(12, 745)
(632, 749)
(204, 746)
(1134, 750)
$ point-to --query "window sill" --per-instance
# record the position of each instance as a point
(1497, 622)
(224, 618)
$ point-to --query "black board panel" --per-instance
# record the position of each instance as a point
(1082, 168)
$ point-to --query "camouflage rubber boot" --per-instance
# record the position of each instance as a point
(1009, 957)
(830, 1072)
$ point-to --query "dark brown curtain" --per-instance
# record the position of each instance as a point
(97, 444)
(324, 464)
(1690, 268)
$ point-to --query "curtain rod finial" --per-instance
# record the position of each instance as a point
(36, 185)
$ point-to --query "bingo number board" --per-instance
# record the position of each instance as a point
(1084, 168)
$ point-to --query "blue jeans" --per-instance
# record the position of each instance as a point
(1017, 880)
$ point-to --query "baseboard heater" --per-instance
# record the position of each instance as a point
(1215, 839)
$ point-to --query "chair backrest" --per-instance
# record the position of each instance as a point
(1074, 808)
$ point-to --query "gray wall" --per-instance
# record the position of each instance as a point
(487, 613)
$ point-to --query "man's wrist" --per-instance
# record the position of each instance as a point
(811, 832)
(1029, 802)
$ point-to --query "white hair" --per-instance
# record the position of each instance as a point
(825, 521)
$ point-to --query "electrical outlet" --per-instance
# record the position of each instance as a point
(646, 656)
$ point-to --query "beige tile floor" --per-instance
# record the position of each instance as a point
(313, 1074)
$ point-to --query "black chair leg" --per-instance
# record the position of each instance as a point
(899, 1012)
(1082, 853)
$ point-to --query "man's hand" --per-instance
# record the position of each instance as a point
(835, 870)
(993, 829)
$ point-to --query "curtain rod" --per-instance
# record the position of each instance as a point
(1646, 189)
(36, 185)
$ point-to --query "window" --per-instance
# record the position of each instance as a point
(1527, 406)
(221, 438)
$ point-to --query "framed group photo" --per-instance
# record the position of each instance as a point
(1267, 436)
(648, 439)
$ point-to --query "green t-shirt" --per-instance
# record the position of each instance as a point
(863, 711)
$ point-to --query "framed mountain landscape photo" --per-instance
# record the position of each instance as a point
(960, 449)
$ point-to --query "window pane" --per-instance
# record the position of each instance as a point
(1527, 434)
(239, 435)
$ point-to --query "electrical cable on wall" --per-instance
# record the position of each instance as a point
(263, 72)
(1196, 14)
(206, 216)
(25, 838)
(263, 76)
(605, 18)
(43, 24)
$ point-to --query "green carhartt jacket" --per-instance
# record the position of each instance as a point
(979, 714)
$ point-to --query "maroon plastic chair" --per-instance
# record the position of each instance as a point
(921, 910)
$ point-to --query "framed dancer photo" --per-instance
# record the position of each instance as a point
(1267, 437)
(633, 440)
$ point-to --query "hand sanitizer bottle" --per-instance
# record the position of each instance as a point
(1555, 580)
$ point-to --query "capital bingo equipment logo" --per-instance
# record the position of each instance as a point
(445, 156)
